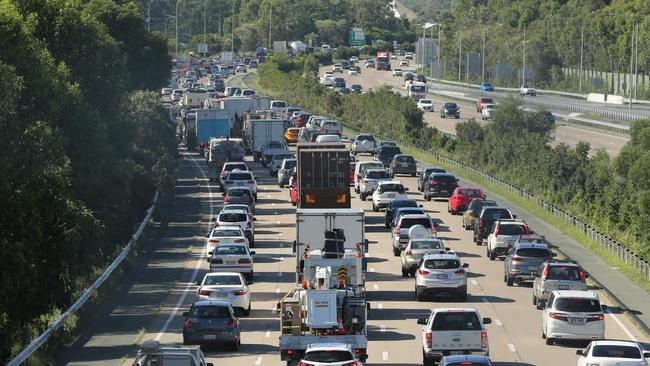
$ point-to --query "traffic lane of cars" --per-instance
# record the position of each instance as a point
(372, 78)
(274, 275)
(515, 334)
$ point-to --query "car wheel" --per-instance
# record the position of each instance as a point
(247, 312)
(492, 255)
(396, 251)
(374, 208)
(509, 281)
(550, 341)
(428, 198)
(462, 296)
(464, 227)
(534, 299)
(235, 345)
(405, 273)
(412, 174)
(362, 197)
(356, 190)
(457, 117)
(281, 185)
(442, 116)
(419, 296)
(426, 361)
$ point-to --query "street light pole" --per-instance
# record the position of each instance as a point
(205, 17)
(232, 29)
(270, 14)
(523, 69)
(149, 15)
(582, 46)
(636, 60)
(629, 87)
(177, 3)
(483, 58)
(460, 53)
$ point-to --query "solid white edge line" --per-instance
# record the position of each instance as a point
(258, 360)
(384, 355)
(620, 324)
(380, 306)
(375, 286)
(199, 261)
(498, 323)
(512, 347)
(267, 334)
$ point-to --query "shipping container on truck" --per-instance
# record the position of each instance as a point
(323, 175)
(383, 60)
(260, 131)
(189, 129)
(194, 98)
(210, 123)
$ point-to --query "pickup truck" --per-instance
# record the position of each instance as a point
(527, 90)
(272, 148)
(451, 331)
(482, 101)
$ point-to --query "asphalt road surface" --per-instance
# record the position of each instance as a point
(372, 79)
(160, 286)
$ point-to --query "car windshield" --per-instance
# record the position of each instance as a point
(512, 229)
(577, 305)
(418, 88)
(230, 167)
(238, 192)
(452, 320)
(450, 105)
(328, 356)
(226, 233)
(448, 179)
(616, 351)
(236, 207)
(408, 222)
(403, 203)
(441, 263)
(410, 211)
(387, 143)
(240, 176)
(274, 145)
(368, 166)
(570, 273)
(405, 159)
(470, 192)
(426, 244)
(289, 164)
(533, 252)
(222, 280)
(377, 174)
(210, 312)
(281, 157)
(463, 363)
(430, 171)
(279, 104)
(425, 101)
(232, 217)
(497, 213)
(230, 250)
(393, 187)
(389, 151)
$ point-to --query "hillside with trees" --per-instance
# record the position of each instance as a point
(84, 145)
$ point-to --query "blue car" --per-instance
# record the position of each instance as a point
(487, 87)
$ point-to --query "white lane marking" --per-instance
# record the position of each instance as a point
(267, 334)
(375, 286)
(620, 324)
(268, 196)
(384, 355)
(272, 203)
(512, 347)
(277, 290)
(278, 222)
(382, 328)
(258, 360)
(474, 283)
(197, 267)
(498, 322)
(380, 306)
(279, 234)
(281, 258)
(273, 310)
(371, 269)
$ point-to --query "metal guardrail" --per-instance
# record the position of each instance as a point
(602, 240)
(38, 342)
(542, 91)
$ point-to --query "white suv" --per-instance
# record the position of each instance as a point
(360, 168)
(453, 330)
(441, 274)
(387, 191)
(331, 354)
(369, 181)
(411, 227)
(238, 218)
(503, 235)
(363, 143)
(572, 315)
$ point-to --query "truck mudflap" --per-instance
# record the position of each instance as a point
(292, 347)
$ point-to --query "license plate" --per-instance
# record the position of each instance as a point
(532, 268)
(230, 262)
(404, 165)
(443, 191)
(563, 287)
(441, 276)
(391, 195)
(577, 321)
(210, 337)
(452, 353)
(221, 294)
(240, 184)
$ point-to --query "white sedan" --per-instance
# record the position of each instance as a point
(228, 286)
(425, 105)
(612, 353)
(225, 234)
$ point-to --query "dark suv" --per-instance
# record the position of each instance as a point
(394, 205)
(486, 219)
(385, 154)
(402, 164)
(339, 83)
(440, 185)
(424, 174)
(451, 110)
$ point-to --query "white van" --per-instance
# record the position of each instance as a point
(279, 107)
(328, 138)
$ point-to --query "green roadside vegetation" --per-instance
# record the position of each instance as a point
(611, 195)
(84, 145)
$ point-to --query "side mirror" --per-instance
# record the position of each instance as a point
(252, 252)
(186, 314)
(541, 305)
(586, 274)
(209, 364)
(646, 354)
(422, 321)
(198, 283)
(210, 252)
(580, 352)
(603, 307)
(406, 188)
(465, 265)
(487, 321)
(420, 206)
(514, 216)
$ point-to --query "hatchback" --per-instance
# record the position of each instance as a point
(522, 262)
(424, 174)
(385, 154)
(416, 249)
(461, 198)
(387, 191)
(238, 218)
(232, 258)
(211, 322)
(228, 167)
(360, 168)
(240, 195)
(285, 171)
(330, 354)
(410, 227)
(401, 211)
(441, 274)
(574, 315)
(228, 286)
(403, 164)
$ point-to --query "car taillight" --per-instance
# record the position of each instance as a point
(545, 274)
(240, 292)
(204, 292)
(480, 223)
(526, 228)
(580, 272)
(429, 337)
(397, 229)
(226, 199)
(248, 225)
(557, 316)
(216, 260)
(357, 351)
(460, 272)
(433, 228)
(484, 340)
(409, 253)
(364, 181)
(244, 260)
(213, 240)
(497, 231)
(596, 318)
(231, 324)
(423, 272)
(304, 363)
(434, 182)
(240, 241)
(353, 363)
(250, 181)
(516, 259)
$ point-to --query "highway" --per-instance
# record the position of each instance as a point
(159, 288)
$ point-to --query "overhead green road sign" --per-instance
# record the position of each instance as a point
(356, 37)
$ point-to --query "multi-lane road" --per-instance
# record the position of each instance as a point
(372, 79)
(159, 287)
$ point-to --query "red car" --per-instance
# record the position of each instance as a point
(461, 198)
(293, 192)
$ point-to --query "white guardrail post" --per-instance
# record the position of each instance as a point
(38, 342)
